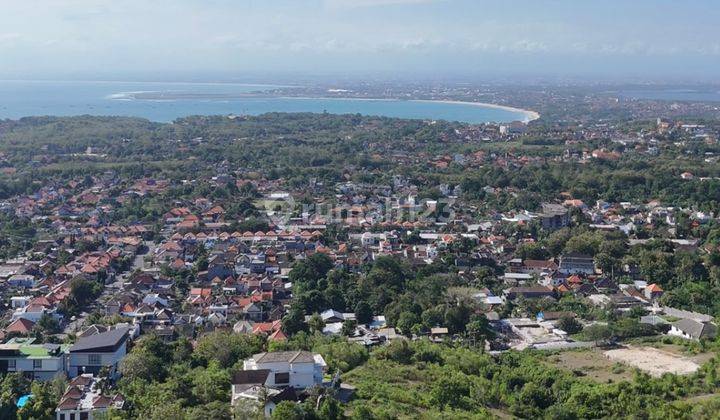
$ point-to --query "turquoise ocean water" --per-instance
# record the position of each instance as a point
(140, 99)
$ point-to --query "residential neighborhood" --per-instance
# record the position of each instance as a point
(261, 289)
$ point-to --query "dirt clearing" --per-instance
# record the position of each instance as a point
(653, 361)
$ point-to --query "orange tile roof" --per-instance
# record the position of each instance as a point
(20, 325)
(655, 288)
(277, 336)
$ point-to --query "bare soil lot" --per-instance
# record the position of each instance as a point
(653, 361)
(680, 351)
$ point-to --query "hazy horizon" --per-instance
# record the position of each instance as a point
(426, 39)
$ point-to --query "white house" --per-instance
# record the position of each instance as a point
(33, 312)
(298, 369)
(37, 361)
(275, 376)
(17, 302)
(692, 329)
(331, 315)
(218, 309)
(250, 386)
(92, 353)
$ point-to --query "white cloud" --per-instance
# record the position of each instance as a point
(10, 38)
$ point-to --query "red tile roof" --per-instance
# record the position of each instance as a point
(20, 325)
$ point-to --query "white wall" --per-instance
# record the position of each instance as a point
(302, 375)
(106, 359)
(50, 367)
(678, 333)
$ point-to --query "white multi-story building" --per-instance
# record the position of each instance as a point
(275, 376)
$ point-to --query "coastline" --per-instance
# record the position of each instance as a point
(530, 115)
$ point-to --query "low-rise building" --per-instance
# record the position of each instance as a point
(92, 353)
(35, 361)
(299, 369)
(528, 292)
(83, 399)
(692, 329)
(653, 291)
(576, 263)
(251, 386)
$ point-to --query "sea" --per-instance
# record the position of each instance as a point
(167, 101)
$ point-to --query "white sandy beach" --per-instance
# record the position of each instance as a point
(529, 114)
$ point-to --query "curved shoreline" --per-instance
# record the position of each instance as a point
(530, 115)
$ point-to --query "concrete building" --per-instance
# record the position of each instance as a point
(35, 361)
(299, 369)
(693, 330)
(83, 400)
(575, 263)
(275, 377)
(92, 353)
(554, 216)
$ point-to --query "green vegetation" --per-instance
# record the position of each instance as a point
(313, 156)
(160, 378)
(400, 381)
(411, 301)
(83, 290)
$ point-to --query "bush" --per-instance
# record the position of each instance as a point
(342, 356)
(570, 325)
(398, 351)
(226, 349)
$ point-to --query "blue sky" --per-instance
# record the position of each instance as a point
(610, 38)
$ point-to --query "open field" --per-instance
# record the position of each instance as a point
(653, 361)
(592, 364)
(688, 350)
